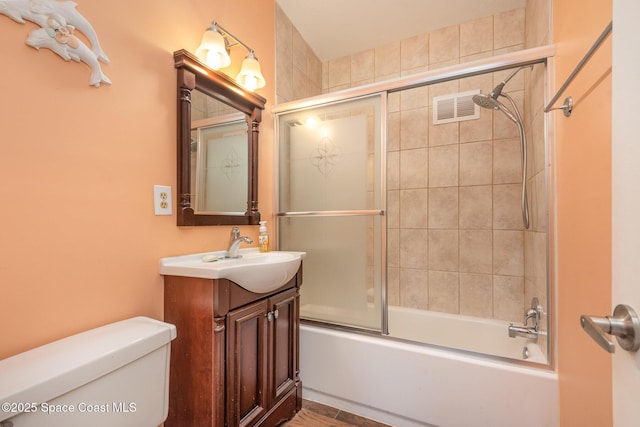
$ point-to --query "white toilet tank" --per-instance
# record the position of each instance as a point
(113, 376)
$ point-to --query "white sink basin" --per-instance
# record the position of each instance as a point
(258, 272)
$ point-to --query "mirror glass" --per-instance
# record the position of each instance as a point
(218, 125)
(219, 167)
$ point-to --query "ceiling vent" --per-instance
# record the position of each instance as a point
(455, 108)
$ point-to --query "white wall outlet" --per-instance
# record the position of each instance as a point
(162, 199)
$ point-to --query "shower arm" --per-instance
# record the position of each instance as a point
(510, 76)
(497, 91)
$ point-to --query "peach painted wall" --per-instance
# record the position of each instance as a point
(583, 174)
(80, 243)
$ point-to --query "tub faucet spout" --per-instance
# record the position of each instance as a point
(522, 331)
(234, 243)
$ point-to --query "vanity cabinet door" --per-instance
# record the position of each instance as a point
(283, 344)
(262, 361)
(247, 346)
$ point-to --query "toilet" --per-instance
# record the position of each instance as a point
(114, 375)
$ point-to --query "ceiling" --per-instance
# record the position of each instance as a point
(335, 28)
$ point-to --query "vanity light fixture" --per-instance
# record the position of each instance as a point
(214, 51)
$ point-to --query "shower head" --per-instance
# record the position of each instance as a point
(486, 101)
(491, 103)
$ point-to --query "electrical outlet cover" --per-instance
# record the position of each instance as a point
(162, 199)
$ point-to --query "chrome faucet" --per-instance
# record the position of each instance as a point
(526, 331)
(234, 243)
(533, 314)
(522, 331)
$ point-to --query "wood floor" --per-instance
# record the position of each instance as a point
(317, 415)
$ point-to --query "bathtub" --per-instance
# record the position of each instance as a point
(409, 384)
(486, 336)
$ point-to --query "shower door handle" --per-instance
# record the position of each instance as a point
(624, 324)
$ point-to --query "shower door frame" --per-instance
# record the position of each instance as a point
(538, 55)
(520, 58)
(382, 212)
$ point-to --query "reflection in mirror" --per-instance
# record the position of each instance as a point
(219, 164)
(218, 124)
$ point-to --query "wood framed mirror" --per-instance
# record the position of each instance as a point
(204, 198)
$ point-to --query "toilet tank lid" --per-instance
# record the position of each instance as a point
(45, 372)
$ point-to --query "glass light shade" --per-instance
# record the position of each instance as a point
(250, 76)
(213, 50)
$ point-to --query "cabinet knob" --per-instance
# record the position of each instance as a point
(270, 316)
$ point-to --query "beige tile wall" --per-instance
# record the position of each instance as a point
(455, 237)
(298, 69)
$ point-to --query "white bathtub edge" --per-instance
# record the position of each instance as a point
(395, 382)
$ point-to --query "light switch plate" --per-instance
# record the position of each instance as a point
(162, 199)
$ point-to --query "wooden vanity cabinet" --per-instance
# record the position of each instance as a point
(235, 359)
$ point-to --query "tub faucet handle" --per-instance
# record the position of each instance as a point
(535, 313)
(532, 313)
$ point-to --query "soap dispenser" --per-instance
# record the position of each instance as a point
(263, 239)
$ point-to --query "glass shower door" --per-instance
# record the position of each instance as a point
(331, 205)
